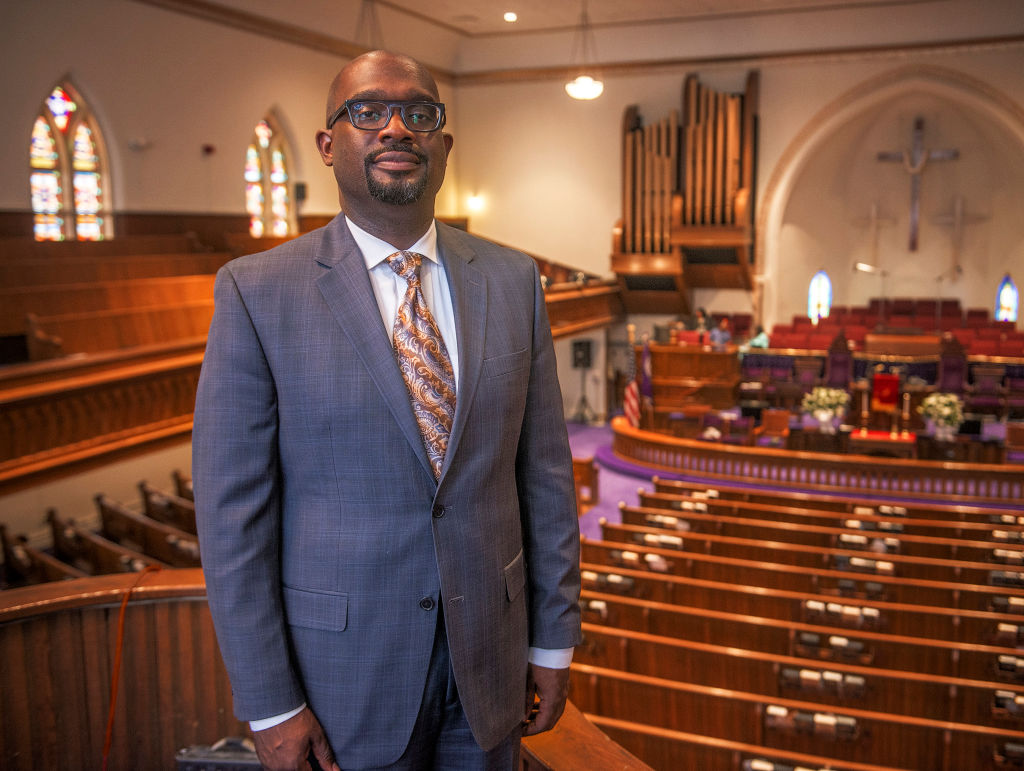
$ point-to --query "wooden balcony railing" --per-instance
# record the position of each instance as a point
(847, 474)
(57, 646)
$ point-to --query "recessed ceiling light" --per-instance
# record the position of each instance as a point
(510, 16)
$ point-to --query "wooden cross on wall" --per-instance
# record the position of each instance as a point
(914, 160)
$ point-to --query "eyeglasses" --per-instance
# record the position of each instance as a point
(373, 116)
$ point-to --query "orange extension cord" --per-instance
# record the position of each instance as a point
(117, 660)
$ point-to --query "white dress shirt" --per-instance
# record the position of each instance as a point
(389, 289)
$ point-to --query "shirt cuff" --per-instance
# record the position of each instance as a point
(559, 658)
(270, 722)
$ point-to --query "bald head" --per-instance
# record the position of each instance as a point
(388, 174)
(384, 65)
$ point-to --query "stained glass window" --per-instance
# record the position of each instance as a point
(68, 178)
(267, 180)
(819, 297)
(1007, 300)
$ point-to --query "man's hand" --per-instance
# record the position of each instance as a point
(286, 746)
(551, 687)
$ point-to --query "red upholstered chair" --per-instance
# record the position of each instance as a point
(984, 346)
(1012, 347)
(976, 317)
(820, 341)
(964, 335)
(926, 309)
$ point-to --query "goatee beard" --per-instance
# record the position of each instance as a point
(399, 192)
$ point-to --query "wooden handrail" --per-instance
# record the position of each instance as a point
(57, 645)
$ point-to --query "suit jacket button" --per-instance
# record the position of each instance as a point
(438, 511)
(427, 603)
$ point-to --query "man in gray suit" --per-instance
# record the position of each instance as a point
(375, 603)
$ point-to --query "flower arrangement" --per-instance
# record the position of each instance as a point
(825, 403)
(942, 409)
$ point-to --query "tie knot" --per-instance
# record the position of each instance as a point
(406, 265)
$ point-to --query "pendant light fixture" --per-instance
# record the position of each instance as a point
(585, 85)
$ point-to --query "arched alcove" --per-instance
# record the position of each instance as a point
(816, 210)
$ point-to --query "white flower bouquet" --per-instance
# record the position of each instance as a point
(942, 409)
(825, 403)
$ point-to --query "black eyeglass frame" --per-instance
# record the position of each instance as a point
(401, 105)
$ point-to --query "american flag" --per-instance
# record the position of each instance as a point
(631, 399)
(639, 389)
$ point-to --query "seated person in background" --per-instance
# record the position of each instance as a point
(759, 340)
(698, 321)
(720, 335)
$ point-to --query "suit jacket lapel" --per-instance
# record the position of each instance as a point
(468, 289)
(347, 291)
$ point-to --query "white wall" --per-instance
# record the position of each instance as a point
(548, 167)
(172, 80)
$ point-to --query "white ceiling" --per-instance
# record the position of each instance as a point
(484, 17)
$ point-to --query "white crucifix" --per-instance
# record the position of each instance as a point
(956, 220)
(914, 161)
(875, 222)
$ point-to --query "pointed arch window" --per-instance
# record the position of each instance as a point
(68, 176)
(819, 297)
(1007, 300)
(267, 181)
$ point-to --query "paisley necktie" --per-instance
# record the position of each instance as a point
(423, 360)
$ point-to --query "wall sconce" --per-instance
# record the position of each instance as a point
(476, 203)
(584, 86)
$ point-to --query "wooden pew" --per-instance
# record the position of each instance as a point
(97, 331)
(23, 247)
(825, 580)
(847, 503)
(823, 644)
(843, 560)
(168, 508)
(832, 684)
(93, 553)
(796, 725)
(25, 564)
(57, 300)
(822, 609)
(666, 748)
(33, 272)
(168, 544)
(182, 484)
(836, 535)
(862, 518)
(584, 474)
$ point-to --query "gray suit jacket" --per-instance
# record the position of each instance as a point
(324, 535)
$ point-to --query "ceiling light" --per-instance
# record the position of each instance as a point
(585, 85)
(510, 16)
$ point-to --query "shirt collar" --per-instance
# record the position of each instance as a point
(375, 250)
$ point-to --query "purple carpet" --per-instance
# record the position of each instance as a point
(613, 484)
